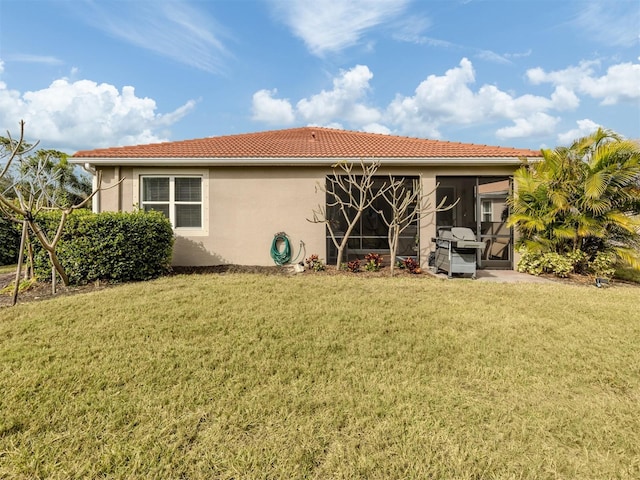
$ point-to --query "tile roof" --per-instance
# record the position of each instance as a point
(308, 142)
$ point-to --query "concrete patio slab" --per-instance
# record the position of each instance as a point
(500, 276)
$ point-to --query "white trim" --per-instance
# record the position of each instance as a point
(484, 212)
(183, 172)
(302, 161)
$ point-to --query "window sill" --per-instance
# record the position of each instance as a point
(190, 232)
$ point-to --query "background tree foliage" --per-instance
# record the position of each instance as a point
(40, 180)
(67, 184)
(582, 198)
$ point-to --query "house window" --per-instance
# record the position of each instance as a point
(179, 198)
(487, 211)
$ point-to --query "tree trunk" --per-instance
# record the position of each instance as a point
(345, 239)
(51, 250)
(58, 267)
(339, 258)
(394, 235)
(392, 261)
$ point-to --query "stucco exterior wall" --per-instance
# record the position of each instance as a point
(246, 206)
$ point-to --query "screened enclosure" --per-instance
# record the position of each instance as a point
(370, 234)
(482, 207)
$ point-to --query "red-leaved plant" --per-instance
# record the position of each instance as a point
(353, 266)
(374, 262)
(411, 265)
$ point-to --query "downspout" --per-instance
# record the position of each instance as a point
(95, 202)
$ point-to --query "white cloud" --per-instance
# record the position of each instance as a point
(412, 29)
(84, 114)
(336, 125)
(585, 128)
(448, 99)
(564, 99)
(491, 56)
(376, 128)
(333, 25)
(501, 58)
(272, 110)
(28, 58)
(620, 83)
(613, 23)
(181, 30)
(444, 100)
(343, 101)
(534, 125)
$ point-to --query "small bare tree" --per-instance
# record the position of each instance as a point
(408, 205)
(33, 191)
(349, 192)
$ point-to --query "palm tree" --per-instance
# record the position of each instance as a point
(582, 197)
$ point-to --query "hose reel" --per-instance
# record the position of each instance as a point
(280, 248)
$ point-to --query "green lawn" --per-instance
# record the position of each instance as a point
(8, 269)
(248, 376)
(628, 274)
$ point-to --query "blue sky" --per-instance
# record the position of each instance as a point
(86, 74)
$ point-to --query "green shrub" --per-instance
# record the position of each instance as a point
(9, 242)
(530, 262)
(112, 246)
(559, 265)
(536, 263)
(603, 265)
(579, 260)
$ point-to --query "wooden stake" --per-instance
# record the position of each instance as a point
(23, 239)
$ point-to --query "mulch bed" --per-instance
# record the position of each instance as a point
(42, 290)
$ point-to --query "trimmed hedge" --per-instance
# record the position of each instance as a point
(111, 246)
(9, 242)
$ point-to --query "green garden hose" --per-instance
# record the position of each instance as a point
(280, 257)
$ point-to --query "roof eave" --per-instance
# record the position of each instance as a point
(295, 161)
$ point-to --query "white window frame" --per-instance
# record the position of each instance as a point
(138, 175)
(487, 212)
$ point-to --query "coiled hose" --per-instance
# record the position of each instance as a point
(280, 257)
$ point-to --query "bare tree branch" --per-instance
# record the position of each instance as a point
(408, 206)
(350, 191)
(37, 189)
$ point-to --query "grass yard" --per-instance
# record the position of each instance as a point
(249, 376)
(8, 269)
(628, 274)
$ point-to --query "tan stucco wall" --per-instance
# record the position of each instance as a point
(248, 205)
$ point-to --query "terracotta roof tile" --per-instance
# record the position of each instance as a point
(307, 142)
